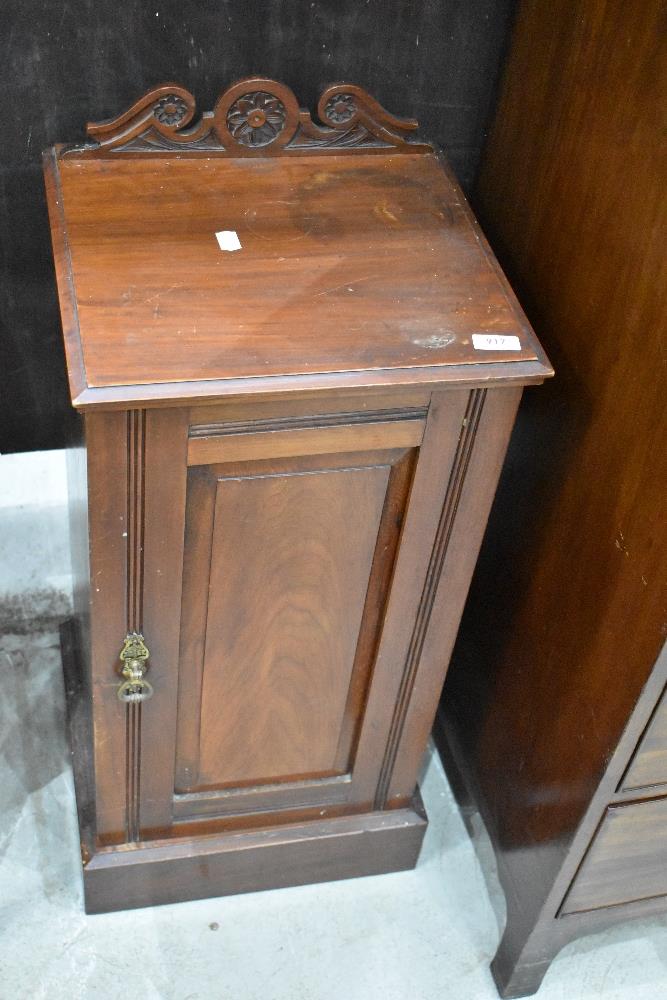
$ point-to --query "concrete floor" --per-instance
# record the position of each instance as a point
(428, 934)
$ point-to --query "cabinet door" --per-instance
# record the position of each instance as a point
(287, 562)
(283, 571)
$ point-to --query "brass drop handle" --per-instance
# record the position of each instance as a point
(134, 659)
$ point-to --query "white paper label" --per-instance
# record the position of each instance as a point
(494, 342)
(228, 240)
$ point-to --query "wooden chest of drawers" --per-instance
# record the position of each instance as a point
(298, 366)
(554, 709)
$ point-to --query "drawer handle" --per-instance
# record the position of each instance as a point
(134, 659)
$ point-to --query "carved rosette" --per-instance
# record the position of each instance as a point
(254, 117)
(340, 109)
(170, 110)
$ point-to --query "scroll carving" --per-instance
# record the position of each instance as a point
(254, 117)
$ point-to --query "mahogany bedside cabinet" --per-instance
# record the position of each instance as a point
(297, 366)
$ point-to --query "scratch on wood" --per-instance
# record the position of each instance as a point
(344, 284)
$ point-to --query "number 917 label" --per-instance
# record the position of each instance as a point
(494, 342)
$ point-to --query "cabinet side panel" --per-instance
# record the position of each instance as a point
(390, 690)
(77, 503)
(107, 455)
(291, 560)
(75, 641)
(463, 518)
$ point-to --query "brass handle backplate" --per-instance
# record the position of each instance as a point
(134, 659)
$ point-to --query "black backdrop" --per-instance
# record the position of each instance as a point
(68, 62)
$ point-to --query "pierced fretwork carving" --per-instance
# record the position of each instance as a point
(253, 117)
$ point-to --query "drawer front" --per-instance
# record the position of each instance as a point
(649, 765)
(627, 859)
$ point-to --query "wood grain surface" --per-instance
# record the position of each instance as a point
(627, 859)
(559, 643)
(372, 263)
(649, 765)
(290, 566)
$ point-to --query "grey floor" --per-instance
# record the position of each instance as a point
(428, 934)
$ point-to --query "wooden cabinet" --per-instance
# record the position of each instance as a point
(288, 455)
(554, 709)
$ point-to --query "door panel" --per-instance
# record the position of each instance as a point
(287, 566)
(291, 560)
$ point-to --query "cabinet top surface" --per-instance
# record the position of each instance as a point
(347, 265)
